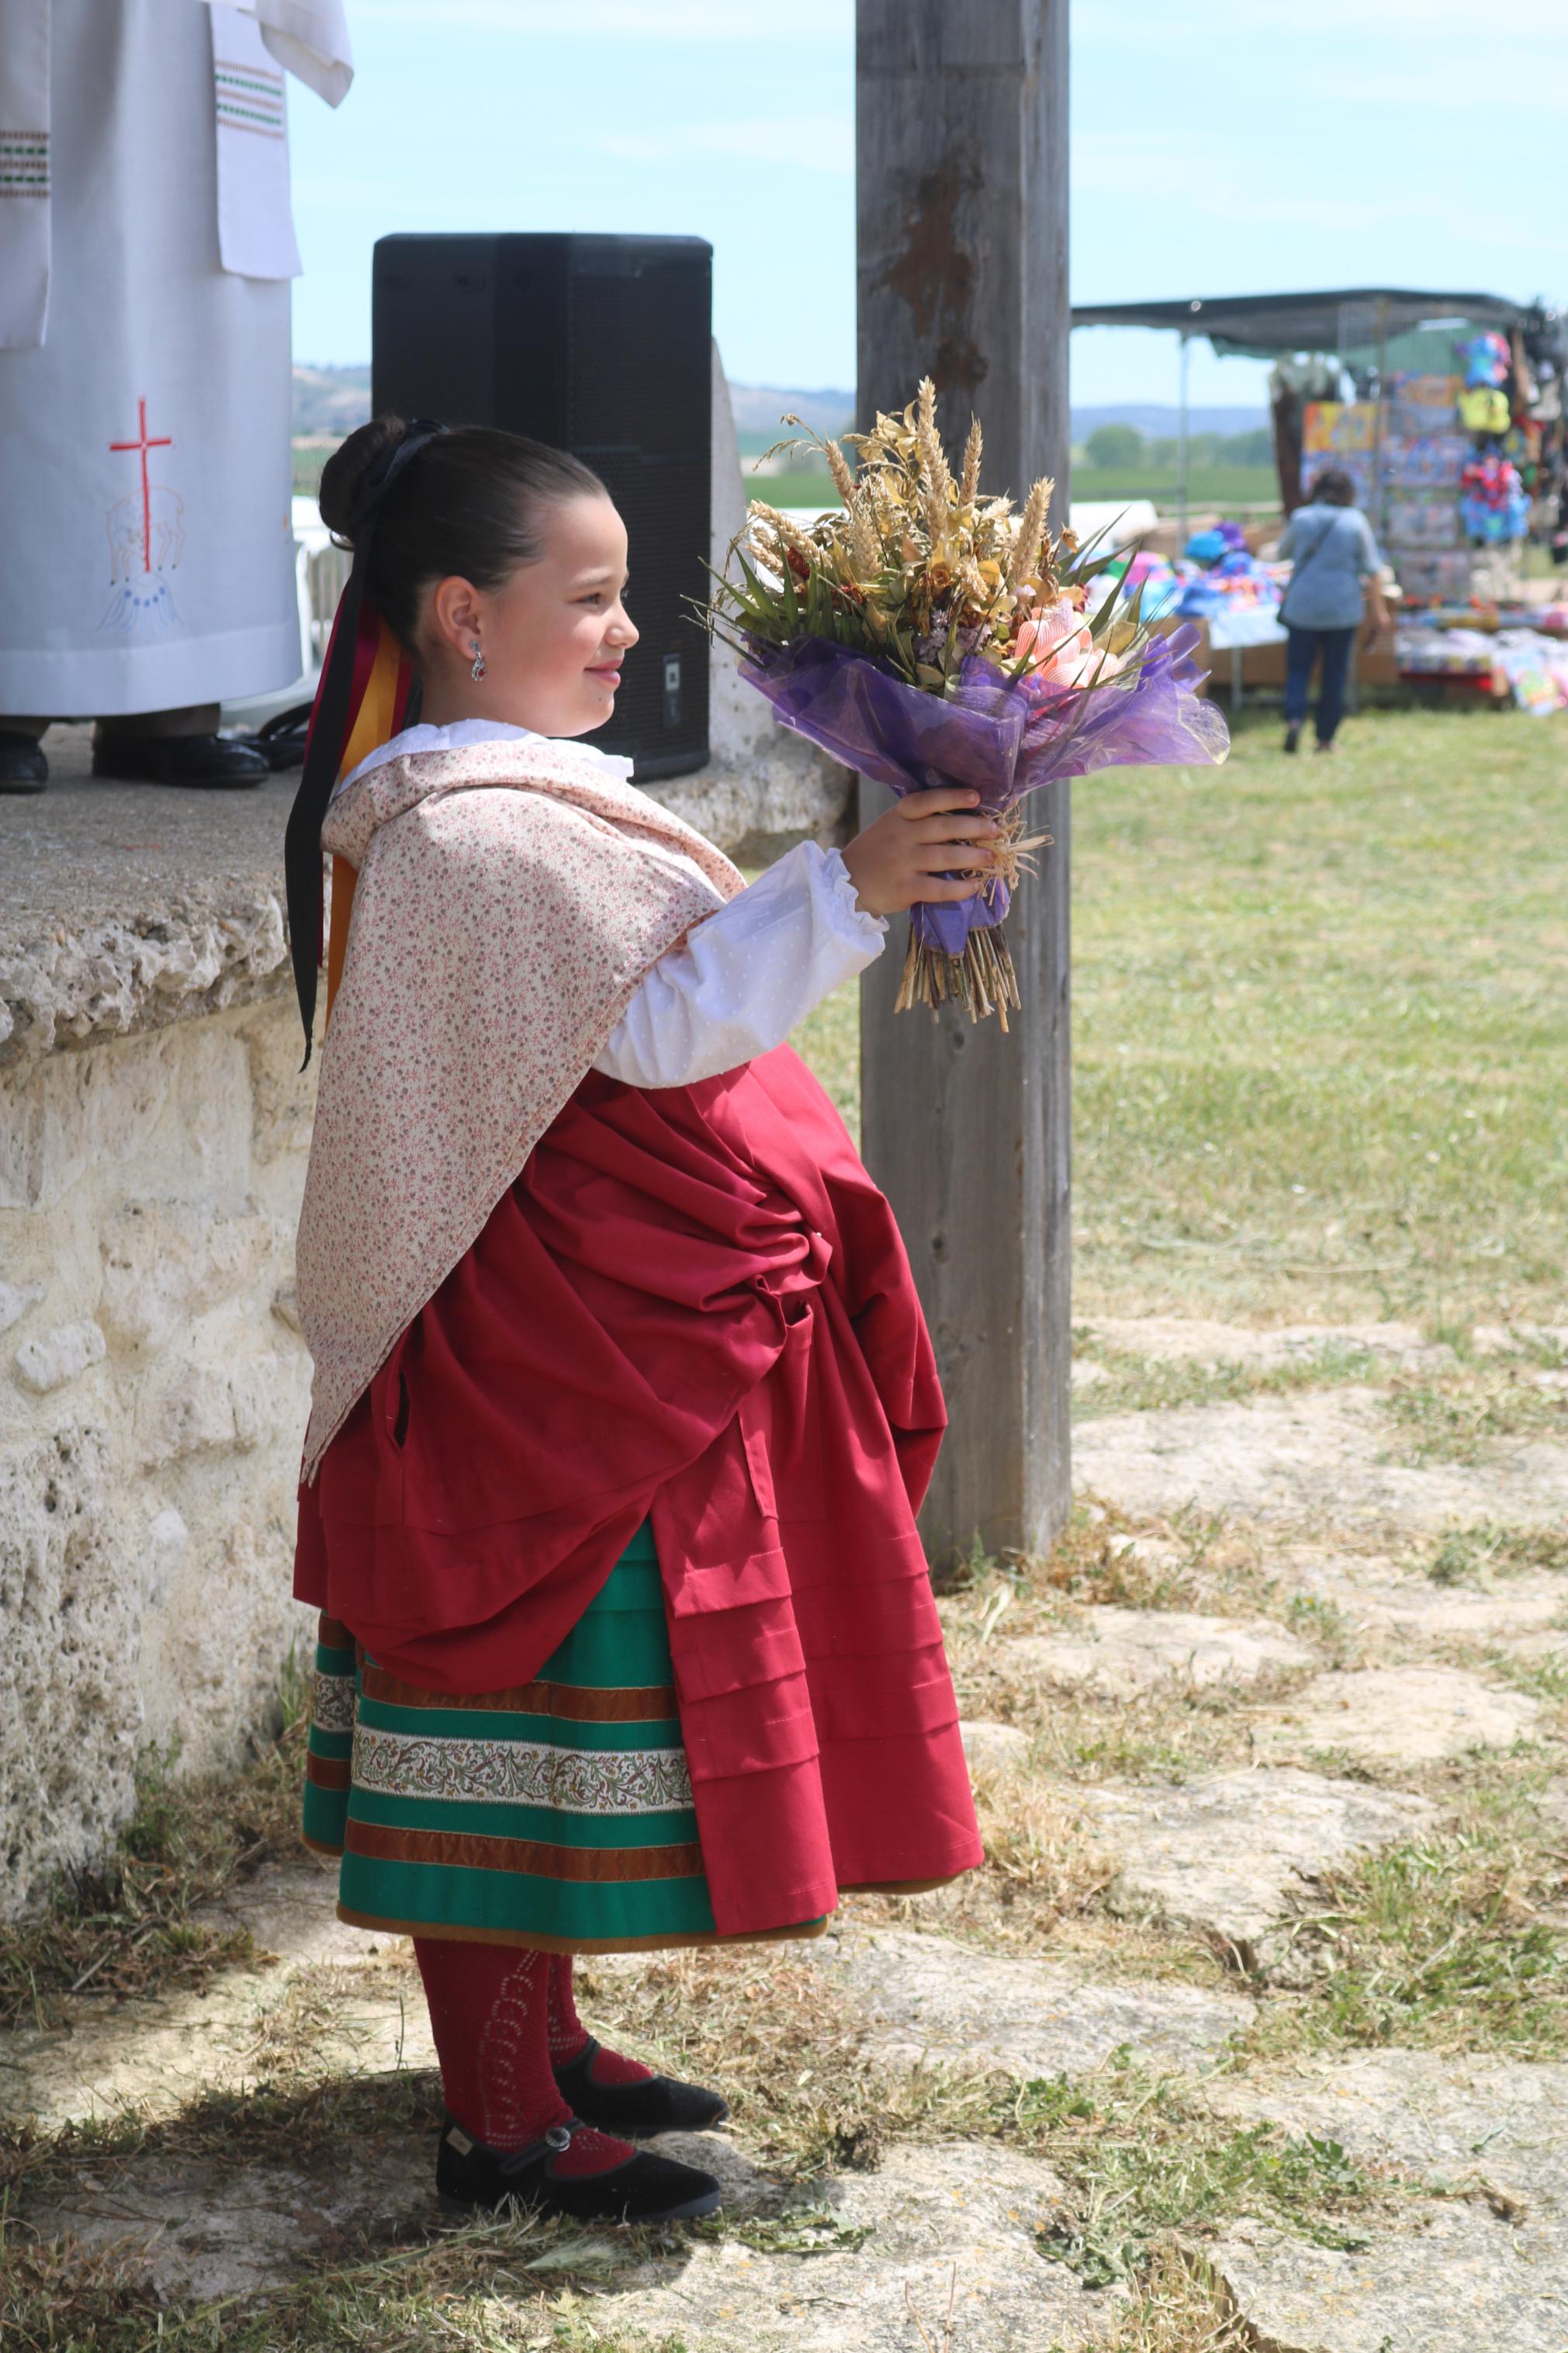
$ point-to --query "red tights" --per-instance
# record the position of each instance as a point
(503, 2016)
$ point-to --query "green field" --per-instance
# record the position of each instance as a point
(1321, 1014)
(1208, 487)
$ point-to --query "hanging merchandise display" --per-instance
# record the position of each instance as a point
(1342, 433)
(1487, 359)
(1484, 409)
(1423, 460)
(1493, 505)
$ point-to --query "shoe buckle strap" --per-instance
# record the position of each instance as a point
(550, 2143)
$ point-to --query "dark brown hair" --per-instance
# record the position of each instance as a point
(1332, 488)
(468, 504)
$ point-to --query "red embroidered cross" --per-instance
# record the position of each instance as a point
(143, 444)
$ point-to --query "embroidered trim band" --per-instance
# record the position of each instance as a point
(250, 99)
(24, 163)
(515, 1772)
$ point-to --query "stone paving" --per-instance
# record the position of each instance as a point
(1340, 1755)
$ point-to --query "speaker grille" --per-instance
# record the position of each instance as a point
(602, 345)
(639, 360)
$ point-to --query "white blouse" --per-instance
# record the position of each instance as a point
(739, 982)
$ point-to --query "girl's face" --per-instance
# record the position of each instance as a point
(553, 635)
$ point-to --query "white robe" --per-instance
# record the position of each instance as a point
(146, 473)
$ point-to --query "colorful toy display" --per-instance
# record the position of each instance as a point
(1493, 505)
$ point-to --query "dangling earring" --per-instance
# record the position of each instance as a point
(478, 671)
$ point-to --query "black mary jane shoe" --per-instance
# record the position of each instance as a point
(637, 2110)
(641, 2188)
(207, 763)
(24, 764)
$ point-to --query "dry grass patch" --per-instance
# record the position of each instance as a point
(1180, 2306)
(1043, 1866)
(1460, 1417)
(1480, 1552)
(133, 1926)
(489, 2286)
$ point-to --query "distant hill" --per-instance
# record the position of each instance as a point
(331, 400)
(759, 406)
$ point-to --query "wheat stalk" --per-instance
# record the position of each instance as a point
(839, 467)
(969, 488)
(1030, 535)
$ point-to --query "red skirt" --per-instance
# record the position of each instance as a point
(692, 1306)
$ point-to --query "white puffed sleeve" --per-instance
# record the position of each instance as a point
(738, 983)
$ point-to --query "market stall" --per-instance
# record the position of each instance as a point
(1446, 412)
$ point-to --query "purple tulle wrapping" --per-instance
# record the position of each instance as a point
(1002, 737)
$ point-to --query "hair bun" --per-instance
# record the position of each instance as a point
(345, 473)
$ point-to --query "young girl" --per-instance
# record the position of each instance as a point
(623, 1401)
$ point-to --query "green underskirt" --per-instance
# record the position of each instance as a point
(557, 1815)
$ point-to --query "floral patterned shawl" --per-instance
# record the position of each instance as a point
(510, 897)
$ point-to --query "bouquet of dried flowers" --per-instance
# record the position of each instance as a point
(927, 635)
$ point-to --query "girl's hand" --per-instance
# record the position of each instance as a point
(900, 859)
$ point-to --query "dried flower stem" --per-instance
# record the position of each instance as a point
(981, 979)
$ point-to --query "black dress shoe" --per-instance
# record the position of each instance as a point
(209, 761)
(642, 2189)
(660, 2104)
(22, 766)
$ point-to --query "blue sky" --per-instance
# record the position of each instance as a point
(1238, 146)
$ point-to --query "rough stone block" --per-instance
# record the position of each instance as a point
(16, 1300)
(1411, 1716)
(71, 1712)
(937, 2223)
(283, 1095)
(927, 1996)
(165, 1262)
(992, 1748)
(1119, 1652)
(1319, 1458)
(60, 1356)
(1447, 2278)
(1460, 2279)
(1230, 1853)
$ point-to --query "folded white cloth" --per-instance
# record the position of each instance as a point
(310, 39)
(255, 215)
(24, 173)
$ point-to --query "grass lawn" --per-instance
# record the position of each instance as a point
(1321, 1028)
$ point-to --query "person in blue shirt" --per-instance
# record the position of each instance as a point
(1331, 545)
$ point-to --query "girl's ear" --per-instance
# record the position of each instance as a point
(453, 611)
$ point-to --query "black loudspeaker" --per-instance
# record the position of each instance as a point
(601, 345)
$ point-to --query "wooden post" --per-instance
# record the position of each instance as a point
(961, 122)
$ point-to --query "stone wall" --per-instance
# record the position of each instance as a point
(155, 1387)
